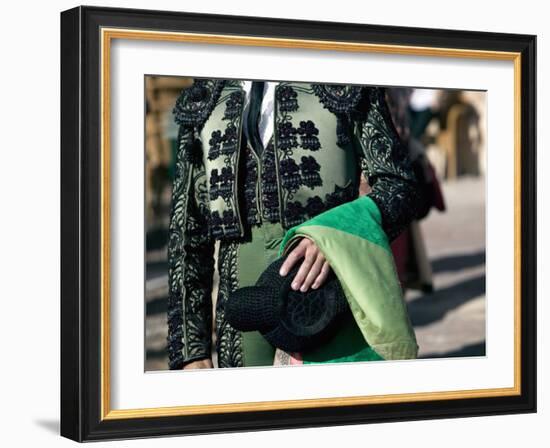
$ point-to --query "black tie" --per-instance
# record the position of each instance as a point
(253, 119)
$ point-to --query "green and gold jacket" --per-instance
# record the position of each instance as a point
(324, 137)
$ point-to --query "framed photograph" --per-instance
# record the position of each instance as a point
(273, 223)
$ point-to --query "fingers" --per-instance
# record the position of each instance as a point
(322, 276)
(314, 269)
(309, 259)
(313, 273)
(296, 254)
(199, 364)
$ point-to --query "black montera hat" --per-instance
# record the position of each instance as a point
(290, 320)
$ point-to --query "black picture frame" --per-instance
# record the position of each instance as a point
(81, 208)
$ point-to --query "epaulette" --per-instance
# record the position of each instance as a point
(344, 101)
(338, 98)
(196, 103)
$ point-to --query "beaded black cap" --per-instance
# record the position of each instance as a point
(290, 320)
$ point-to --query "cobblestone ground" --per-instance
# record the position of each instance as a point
(448, 322)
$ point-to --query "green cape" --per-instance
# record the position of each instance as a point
(352, 240)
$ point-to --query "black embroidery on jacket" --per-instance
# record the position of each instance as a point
(250, 205)
(226, 144)
(234, 106)
(196, 103)
(286, 97)
(308, 135)
(215, 143)
(310, 169)
(226, 225)
(229, 340)
(293, 175)
(223, 182)
(314, 206)
(290, 176)
(286, 135)
(338, 98)
(221, 185)
(296, 212)
(190, 260)
(269, 185)
(342, 101)
(230, 139)
(387, 167)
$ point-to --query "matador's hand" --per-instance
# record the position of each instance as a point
(200, 364)
(314, 269)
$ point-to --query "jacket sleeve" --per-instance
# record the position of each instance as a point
(386, 166)
(190, 258)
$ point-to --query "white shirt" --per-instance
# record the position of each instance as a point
(265, 126)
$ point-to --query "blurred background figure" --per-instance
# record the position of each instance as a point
(440, 258)
(411, 113)
(448, 128)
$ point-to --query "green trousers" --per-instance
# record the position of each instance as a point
(253, 258)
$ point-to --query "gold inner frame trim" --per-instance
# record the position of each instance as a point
(107, 35)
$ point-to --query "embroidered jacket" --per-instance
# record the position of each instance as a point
(325, 136)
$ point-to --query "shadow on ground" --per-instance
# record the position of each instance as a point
(432, 307)
(468, 350)
(458, 262)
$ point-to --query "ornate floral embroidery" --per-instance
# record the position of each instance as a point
(286, 136)
(225, 144)
(314, 206)
(233, 106)
(250, 205)
(308, 135)
(270, 191)
(387, 167)
(338, 98)
(226, 225)
(290, 176)
(310, 172)
(221, 185)
(229, 340)
(296, 213)
(230, 140)
(223, 181)
(215, 142)
(341, 100)
(340, 195)
(287, 99)
(396, 201)
(342, 130)
(193, 150)
(190, 262)
(287, 141)
(196, 103)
